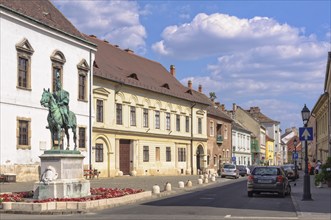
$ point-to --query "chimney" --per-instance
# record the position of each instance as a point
(217, 105)
(189, 84)
(200, 88)
(234, 107)
(223, 107)
(129, 51)
(173, 70)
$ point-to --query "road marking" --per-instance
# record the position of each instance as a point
(207, 198)
(258, 217)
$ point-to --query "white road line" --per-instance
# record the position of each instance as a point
(258, 217)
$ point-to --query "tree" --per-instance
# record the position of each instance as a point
(212, 96)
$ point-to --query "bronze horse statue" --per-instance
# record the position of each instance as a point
(55, 119)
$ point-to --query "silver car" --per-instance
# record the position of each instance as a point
(230, 170)
(268, 179)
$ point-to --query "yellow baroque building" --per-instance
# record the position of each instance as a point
(145, 121)
(269, 151)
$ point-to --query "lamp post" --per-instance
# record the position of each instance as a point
(306, 181)
(295, 142)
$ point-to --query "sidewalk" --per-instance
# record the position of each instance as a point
(319, 207)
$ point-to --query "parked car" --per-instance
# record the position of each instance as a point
(290, 171)
(230, 170)
(251, 167)
(271, 179)
(242, 170)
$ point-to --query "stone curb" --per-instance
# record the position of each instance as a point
(60, 208)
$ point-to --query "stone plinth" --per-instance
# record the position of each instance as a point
(68, 188)
(67, 163)
(62, 176)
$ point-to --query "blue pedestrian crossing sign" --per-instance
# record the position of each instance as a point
(306, 134)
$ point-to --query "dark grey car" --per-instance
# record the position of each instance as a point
(271, 179)
(242, 170)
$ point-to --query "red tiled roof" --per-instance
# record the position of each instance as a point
(216, 111)
(117, 65)
(258, 115)
(44, 12)
(290, 144)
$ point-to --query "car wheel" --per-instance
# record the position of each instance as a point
(289, 190)
(222, 176)
(250, 194)
(282, 194)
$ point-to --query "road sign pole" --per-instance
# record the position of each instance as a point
(306, 184)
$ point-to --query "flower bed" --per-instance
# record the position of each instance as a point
(96, 194)
(15, 197)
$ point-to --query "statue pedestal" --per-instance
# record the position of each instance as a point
(62, 176)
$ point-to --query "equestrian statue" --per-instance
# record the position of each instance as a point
(59, 117)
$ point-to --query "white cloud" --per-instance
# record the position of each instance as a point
(160, 48)
(116, 21)
(218, 34)
(259, 62)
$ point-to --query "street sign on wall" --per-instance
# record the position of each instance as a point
(306, 134)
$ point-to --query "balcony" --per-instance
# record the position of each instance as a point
(219, 139)
(255, 146)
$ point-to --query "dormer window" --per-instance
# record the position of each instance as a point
(166, 85)
(95, 64)
(133, 76)
(189, 91)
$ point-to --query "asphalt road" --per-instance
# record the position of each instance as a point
(226, 202)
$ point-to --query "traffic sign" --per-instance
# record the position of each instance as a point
(233, 158)
(306, 134)
(295, 156)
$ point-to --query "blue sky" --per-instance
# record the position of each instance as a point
(270, 54)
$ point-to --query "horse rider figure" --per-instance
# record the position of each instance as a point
(62, 99)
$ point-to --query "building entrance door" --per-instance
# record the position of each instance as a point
(199, 158)
(125, 156)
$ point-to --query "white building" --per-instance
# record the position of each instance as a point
(36, 40)
(241, 144)
(285, 138)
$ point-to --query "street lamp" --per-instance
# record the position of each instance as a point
(306, 181)
(295, 142)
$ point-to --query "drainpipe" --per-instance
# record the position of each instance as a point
(117, 167)
(192, 137)
(90, 112)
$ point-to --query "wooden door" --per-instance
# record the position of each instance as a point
(125, 156)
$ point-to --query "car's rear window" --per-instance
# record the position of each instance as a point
(266, 171)
(288, 167)
(229, 166)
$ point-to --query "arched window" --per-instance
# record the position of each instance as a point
(24, 53)
(83, 69)
(58, 60)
